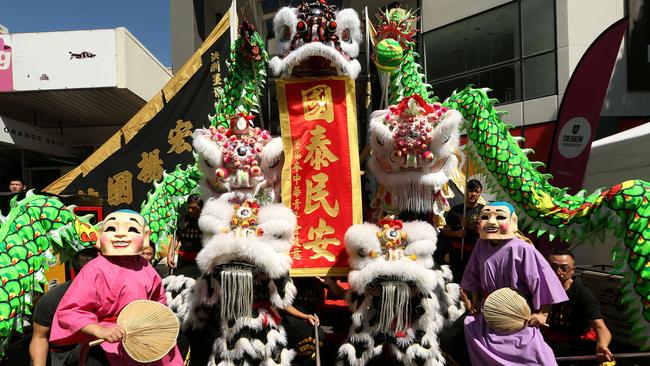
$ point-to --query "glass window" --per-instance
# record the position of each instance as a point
(486, 50)
(480, 41)
(539, 76)
(504, 81)
(537, 26)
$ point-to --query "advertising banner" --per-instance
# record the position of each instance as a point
(321, 175)
(579, 112)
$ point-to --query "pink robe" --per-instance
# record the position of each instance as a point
(97, 295)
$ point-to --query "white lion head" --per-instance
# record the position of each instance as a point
(240, 159)
(315, 38)
(251, 238)
(413, 147)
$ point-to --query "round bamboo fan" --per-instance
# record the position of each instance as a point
(151, 330)
(506, 311)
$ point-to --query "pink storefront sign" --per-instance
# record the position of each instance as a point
(6, 79)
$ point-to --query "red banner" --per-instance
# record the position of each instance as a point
(579, 112)
(320, 177)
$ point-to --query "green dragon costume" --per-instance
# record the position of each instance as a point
(37, 228)
(546, 209)
(239, 97)
(623, 208)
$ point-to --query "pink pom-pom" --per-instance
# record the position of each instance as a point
(221, 173)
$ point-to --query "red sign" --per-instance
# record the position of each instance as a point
(321, 175)
(579, 112)
(6, 78)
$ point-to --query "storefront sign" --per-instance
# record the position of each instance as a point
(24, 136)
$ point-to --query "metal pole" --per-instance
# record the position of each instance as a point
(317, 343)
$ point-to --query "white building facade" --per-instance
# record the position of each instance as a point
(62, 94)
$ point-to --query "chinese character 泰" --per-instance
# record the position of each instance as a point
(318, 154)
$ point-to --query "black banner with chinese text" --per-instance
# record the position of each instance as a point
(123, 179)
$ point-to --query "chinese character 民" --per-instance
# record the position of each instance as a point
(317, 103)
(319, 243)
(318, 154)
(119, 188)
(177, 135)
(151, 167)
(317, 195)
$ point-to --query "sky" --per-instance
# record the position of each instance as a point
(147, 20)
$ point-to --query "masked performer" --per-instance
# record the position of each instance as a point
(499, 260)
(105, 286)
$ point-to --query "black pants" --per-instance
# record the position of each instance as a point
(96, 357)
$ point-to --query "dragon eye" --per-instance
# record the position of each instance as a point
(207, 163)
(379, 141)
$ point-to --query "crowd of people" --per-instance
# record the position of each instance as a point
(479, 242)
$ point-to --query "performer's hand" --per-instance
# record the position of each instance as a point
(312, 319)
(603, 353)
(537, 319)
(110, 334)
(170, 261)
(471, 309)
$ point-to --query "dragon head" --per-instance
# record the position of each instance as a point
(316, 39)
(413, 148)
(252, 241)
(395, 34)
(237, 159)
(398, 24)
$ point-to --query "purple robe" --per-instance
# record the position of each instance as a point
(519, 266)
(102, 289)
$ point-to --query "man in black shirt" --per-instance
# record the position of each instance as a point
(462, 222)
(42, 319)
(576, 326)
(189, 243)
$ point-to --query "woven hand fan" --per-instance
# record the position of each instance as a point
(506, 311)
(151, 330)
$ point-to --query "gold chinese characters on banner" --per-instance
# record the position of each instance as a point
(321, 179)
